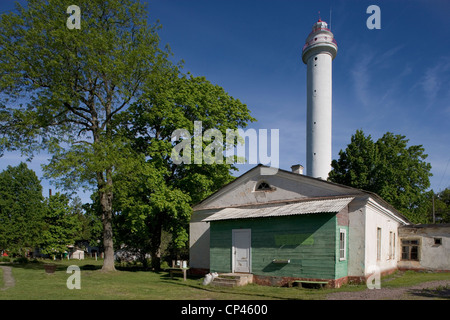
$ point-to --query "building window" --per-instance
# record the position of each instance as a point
(342, 244)
(437, 241)
(378, 243)
(410, 249)
(263, 186)
(391, 245)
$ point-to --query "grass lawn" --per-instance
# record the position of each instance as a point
(31, 282)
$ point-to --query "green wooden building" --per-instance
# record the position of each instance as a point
(284, 226)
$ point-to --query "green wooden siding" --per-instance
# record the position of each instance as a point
(310, 242)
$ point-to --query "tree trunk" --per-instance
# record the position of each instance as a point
(155, 243)
(106, 205)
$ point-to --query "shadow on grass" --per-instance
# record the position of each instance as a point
(40, 265)
(237, 291)
(436, 293)
(29, 265)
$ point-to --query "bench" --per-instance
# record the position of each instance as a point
(178, 270)
(320, 283)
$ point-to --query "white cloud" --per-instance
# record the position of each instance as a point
(361, 79)
(434, 79)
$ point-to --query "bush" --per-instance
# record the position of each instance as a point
(21, 260)
(164, 265)
(5, 259)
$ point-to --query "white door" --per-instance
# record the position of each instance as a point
(241, 250)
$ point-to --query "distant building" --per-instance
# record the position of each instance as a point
(425, 247)
(77, 254)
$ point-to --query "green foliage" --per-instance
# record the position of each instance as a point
(388, 167)
(174, 102)
(91, 224)
(61, 89)
(21, 209)
(442, 206)
(22, 260)
(158, 194)
(104, 101)
(61, 226)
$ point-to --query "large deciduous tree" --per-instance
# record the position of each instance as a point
(159, 194)
(103, 100)
(61, 89)
(389, 167)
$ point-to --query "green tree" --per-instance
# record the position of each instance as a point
(388, 167)
(21, 209)
(61, 225)
(61, 89)
(442, 206)
(92, 228)
(160, 193)
(356, 166)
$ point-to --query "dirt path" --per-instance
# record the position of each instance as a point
(424, 291)
(8, 279)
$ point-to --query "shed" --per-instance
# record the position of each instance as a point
(77, 254)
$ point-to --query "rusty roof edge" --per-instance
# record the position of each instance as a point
(217, 216)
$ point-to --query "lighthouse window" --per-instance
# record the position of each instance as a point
(315, 58)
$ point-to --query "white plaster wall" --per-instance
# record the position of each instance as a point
(433, 256)
(377, 218)
(199, 240)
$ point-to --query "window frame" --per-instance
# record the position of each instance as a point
(379, 233)
(408, 243)
(437, 241)
(392, 254)
(342, 245)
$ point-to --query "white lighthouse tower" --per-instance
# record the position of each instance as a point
(318, 53)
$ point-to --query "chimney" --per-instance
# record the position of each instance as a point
(49, 193)
(297, 168)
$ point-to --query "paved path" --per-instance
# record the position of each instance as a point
(423, 291)
(8, 279)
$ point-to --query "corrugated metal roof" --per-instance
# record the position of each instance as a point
(302, 207)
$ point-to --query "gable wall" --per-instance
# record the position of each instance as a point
(286, 187)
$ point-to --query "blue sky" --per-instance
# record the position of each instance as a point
(393, 79)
